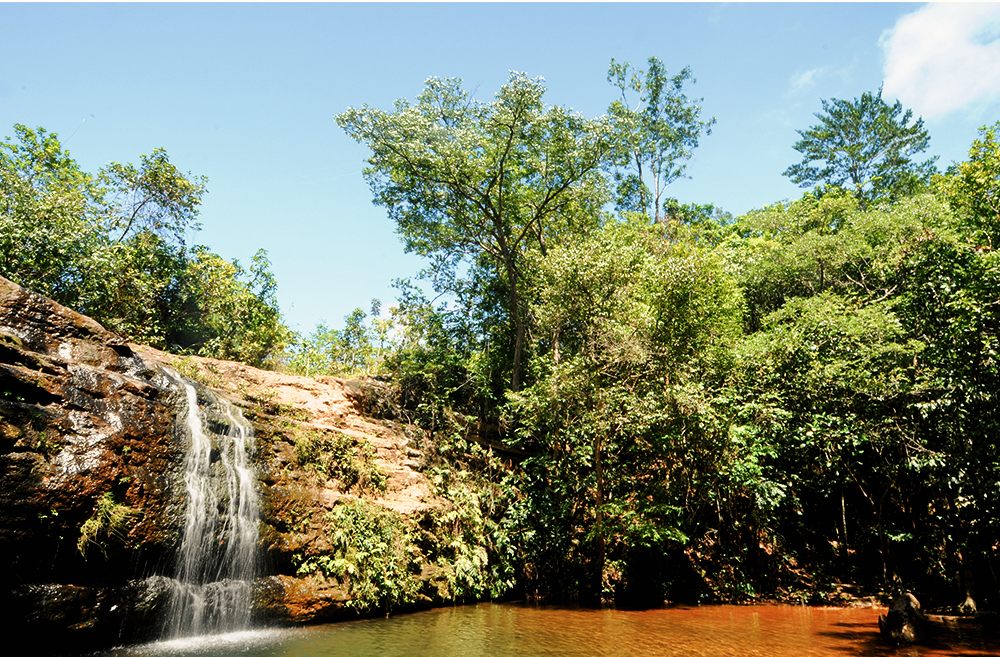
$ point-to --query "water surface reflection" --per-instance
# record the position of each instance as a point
(507, 630)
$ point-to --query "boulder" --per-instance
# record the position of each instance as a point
(905, 622)
(286, 599)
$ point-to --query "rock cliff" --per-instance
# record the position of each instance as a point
(316, 452)
(88, 459)
(91, 496)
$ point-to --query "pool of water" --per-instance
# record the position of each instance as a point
(508, 630)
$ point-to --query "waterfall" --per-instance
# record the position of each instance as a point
(219, 555)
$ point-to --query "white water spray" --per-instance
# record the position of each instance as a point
(219, 555)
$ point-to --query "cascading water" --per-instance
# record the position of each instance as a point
(219, 555)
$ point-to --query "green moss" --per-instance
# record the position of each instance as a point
(36, 437)
(109, 519)
(297, 518)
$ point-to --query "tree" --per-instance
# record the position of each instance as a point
(48, 226)
(656, 136)
(948, 302)
(112, 246)
(864, 145)
(830, 373)
(155, 196)
(483, 183)
(228, 312)
(633, 329)
(137, 275)
(973, 187)
(824, 242)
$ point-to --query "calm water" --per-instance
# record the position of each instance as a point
(502, 630)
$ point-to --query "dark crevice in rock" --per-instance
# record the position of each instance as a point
(25, 386)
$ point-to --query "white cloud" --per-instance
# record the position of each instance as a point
(943, 57)
(805, 79)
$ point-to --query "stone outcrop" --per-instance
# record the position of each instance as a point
(379, 462)
(88, 459)
(905, 622)
(91, 492)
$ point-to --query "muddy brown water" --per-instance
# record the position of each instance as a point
(509, 630)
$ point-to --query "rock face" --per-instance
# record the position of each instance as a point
(92, 442)
(318, 455)
(905, 622)
(88, 463)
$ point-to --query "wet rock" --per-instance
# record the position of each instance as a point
(82, 418)
(72, 619)
(287, 599)
(86, 417)
(905, 622)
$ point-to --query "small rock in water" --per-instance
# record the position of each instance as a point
(905, 622)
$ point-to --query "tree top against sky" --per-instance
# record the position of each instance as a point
(251, 106)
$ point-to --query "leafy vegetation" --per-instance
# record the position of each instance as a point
(655, 133)
(865, 146)
(372, 550)
(711, 407)
(481, 185)
(357, 349)
(339, 456)
(657, 402)
(113, 246)
(109, 519)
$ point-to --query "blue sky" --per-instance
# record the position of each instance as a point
(245, 94)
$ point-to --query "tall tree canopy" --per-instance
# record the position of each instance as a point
(973, 187)
(864, 145)
(655, 133)
(113, 246)
(483, 183)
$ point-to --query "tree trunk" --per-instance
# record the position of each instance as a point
(843, 521)
(887, 565)
(515, 376)
(968, 585)
(514, 299)
(600, 517)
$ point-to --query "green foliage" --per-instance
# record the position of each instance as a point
(821, 244)
(48, 227)
(973, 187)
(864, 145)
(479, 185)
(339, 456)
(113, 246)
(155, 196)
(949, 304)
(437, 366)
(373, 550)
(814, 344)
(634, 327)
(471, 545)
(705, 406)
(655, 136)
(109, 520)
(235, 313)
(357, 349)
